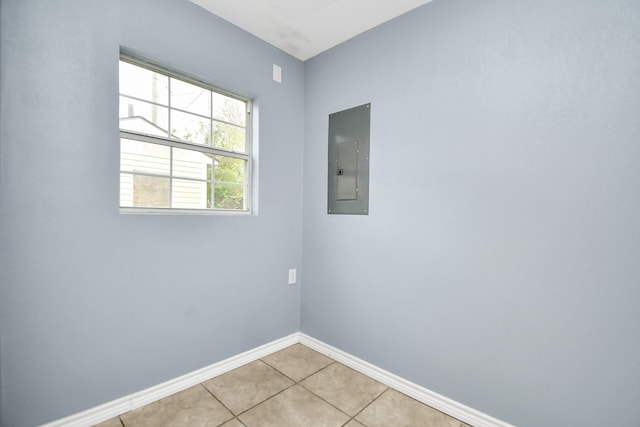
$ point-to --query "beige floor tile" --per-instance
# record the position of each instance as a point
(297, 362)
(294, 407)
(353, 423)
(348, 390)
(247, 386)
(193, 407)
(394, 409)
(233, 423)
(113, 422)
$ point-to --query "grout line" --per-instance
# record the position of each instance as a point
(351, 417)
(277, 370)
(219, 401)
(302, 379)
(234, 418)
(268, 398)
(259, 403)
(298, 383)
(294, 383)
(324, 400)
(370, 403)
(319, 370)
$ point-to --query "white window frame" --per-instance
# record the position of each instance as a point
(247, 156)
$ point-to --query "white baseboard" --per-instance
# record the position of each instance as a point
(421, 394)
(117, 407)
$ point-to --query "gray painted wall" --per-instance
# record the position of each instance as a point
(500, 263)
(95, 305)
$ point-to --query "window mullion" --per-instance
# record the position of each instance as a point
(153, 139)
(171, 148)
(171, 177)
(143, 173)
(247, 178)
(213, 155)
(248, 134)
(169, 108)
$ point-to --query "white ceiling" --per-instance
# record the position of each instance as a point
(305, 28)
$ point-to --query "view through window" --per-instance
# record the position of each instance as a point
(183, 145)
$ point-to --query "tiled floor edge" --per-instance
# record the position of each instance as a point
(136, 400)
(421, 394)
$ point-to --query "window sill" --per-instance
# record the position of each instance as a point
(167, 211)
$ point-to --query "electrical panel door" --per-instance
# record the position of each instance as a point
(349, 161)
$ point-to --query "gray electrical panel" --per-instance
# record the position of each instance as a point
(349, 161)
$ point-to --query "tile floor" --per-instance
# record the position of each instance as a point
(295, 387)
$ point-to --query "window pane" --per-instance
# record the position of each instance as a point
(192, 164)
(229, 169)
(126, 190)
(192, 98)
(188, 194)
(229, 137)
(136, 156)
(229, 109)
(190, 128)
(229, 196)
(142, 117)
(142, 83)
(144, 191)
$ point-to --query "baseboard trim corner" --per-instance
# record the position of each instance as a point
(136, 400)
(444, 404)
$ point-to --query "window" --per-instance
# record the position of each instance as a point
(184, 146)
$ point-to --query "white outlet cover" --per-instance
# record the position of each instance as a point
(292, 276)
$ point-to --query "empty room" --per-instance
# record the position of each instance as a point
(432, 205)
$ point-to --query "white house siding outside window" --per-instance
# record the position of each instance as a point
(184, 146)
